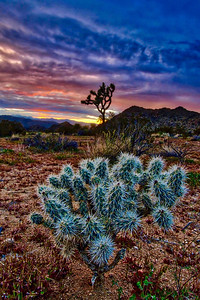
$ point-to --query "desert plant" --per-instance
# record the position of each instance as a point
(102, 99)
(172, 150)
(140, 135)
(195, 138)
(135, 131)
(87, 209)
(110, 144)
(28, 276)
(146, 284)
(193, 179)
(119, 289)
(186, 270)
(49, 142)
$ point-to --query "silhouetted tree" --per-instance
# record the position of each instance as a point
(7, 128)
(102, 98)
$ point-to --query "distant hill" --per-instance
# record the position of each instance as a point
(29, 124)
(64, 127)
(163, 117)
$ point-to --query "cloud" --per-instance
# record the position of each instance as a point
(51, 55)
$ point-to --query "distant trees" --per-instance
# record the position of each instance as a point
(102, 99)
(197, 131)
(7, 128)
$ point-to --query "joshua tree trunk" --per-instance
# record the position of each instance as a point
(98, 272)
(98, 279)
(103, 117)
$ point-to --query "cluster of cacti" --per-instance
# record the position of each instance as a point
(86, 209)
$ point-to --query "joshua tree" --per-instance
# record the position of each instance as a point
(87, 209)
(102, 98)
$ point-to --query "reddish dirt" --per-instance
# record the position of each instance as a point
(18, 199)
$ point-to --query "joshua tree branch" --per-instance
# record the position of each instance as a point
(120, 255)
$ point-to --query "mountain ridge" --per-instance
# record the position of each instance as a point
(164, 116)
(161, 117)
(28, 123)
(31, 123)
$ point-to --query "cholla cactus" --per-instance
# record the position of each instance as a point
(87, 209)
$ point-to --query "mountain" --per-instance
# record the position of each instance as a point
(29, 123)
(59, 121)
(163, 117)
(64, 127)
(178, 113)
(36, 124)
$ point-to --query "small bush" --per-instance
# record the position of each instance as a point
(20, 277)
(193, 179)
(196, 138)
(109, 145)
(179, 152)
(50, 142)
(29, 275)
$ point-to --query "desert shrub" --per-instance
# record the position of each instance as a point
(197, 131)
(109, 144)
(6, 151)
(147, 285)
(7, 128)
(193, 179)
(133, 132)
(11, 157)
(181, 130)
(49, 142)
(21, 278)
(77, 129)
(164, 129)
(182, 265)
(86, 209)
(196, 138)
(28, 276)
(173, 150)
(140, 135)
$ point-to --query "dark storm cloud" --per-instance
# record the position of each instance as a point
(147, 48)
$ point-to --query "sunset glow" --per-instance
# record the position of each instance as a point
(53, 53)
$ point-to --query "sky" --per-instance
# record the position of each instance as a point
(52, 53)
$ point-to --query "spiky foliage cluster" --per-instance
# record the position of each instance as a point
(88, 208)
